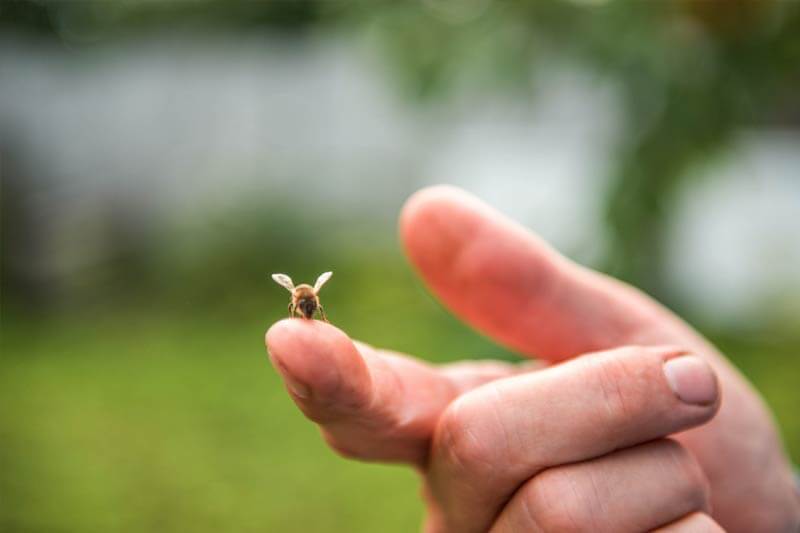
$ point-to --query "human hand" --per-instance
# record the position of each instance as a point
(377, 405)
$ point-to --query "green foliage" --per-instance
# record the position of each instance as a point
(691, 75)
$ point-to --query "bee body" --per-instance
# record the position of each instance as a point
(305, 298)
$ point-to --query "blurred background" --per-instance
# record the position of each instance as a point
(160, 159)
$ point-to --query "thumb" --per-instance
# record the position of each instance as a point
(371, 404)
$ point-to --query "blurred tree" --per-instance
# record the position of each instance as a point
(726, 69)
(22, 242)
(691, 73)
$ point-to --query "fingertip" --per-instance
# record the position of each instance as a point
(438, 226)
(661, 390)
(319, 357)
(692, 380)
(485, 267)
(440, 194)
(440, 209)
(289, 329)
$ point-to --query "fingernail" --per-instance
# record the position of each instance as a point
(691, 379)
(296, 387)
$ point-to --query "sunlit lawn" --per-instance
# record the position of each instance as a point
(154, 428)
(150, 424)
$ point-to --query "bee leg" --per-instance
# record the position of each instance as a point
(291, 310)
(322, 312)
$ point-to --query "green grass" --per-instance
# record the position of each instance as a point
(144, 424)
(156, 428)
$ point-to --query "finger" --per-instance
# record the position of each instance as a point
(635, 489)
(371, 405)
(494, 438)
(692, 523)
(513, 287)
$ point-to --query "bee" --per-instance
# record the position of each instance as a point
(305, 299)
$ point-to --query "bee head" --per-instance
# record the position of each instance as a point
(307, 307)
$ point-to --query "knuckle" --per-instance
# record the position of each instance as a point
(460, 441)
(697, 486)
(696, 478)
(553, 501)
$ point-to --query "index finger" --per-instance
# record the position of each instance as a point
(512, 286)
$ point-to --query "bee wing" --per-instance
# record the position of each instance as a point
(284, 281)
(321, 280)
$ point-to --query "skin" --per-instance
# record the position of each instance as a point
(593, 437)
